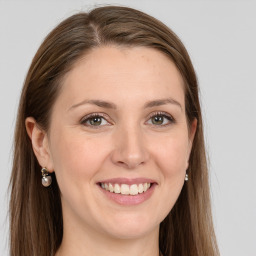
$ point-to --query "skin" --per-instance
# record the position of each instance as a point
(128, 142)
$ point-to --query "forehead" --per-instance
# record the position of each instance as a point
(120, 73)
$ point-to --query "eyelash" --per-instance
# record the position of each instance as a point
(87, 118)
(165, 116)
(93, 115)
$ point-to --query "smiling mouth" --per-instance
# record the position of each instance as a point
(125, 189)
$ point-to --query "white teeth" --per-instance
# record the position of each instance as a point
(134, 189)
(110, 187)
(117, 189)
(145, 187)
(125, 189)
(141, 188)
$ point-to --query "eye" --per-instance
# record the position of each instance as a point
(161, 119)
(94, 120)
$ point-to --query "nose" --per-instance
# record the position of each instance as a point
(129, 150)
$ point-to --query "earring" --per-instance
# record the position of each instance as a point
(186, 177)
(46, 179)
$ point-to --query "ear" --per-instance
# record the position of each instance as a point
(192, 132)
(40, 143)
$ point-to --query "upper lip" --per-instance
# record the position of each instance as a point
(128, 181)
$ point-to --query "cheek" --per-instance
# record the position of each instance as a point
(172, 156)
(76, 157)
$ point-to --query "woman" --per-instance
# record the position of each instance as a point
(109, 152)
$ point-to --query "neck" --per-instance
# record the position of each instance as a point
(77, 242)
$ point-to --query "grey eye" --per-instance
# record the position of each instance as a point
(157, 120)
(95, 120)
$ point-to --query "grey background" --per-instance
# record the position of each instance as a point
(221, 38)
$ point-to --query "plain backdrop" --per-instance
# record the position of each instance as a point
(221, 39)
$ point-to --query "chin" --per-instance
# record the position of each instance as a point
(132, 227)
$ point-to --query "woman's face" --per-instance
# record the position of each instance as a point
(118, 127)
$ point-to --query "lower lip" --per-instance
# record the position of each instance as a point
(129, 199)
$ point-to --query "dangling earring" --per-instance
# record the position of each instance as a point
(46, 179)
(186, 177)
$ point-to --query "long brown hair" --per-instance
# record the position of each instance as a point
(36, 226)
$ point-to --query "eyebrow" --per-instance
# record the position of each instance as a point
(99, 103)
(109, 105)
(161, 102)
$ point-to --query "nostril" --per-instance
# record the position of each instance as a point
(129, 155)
